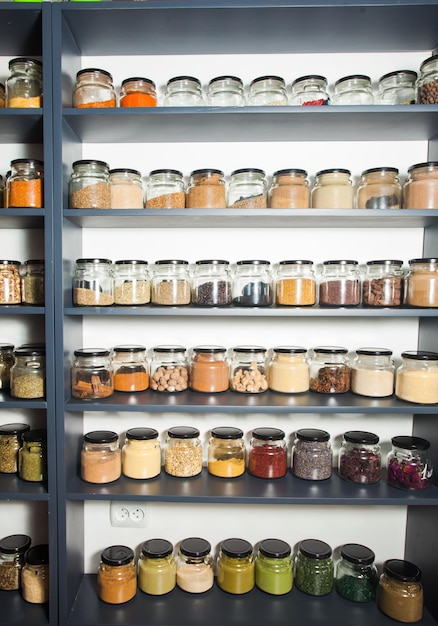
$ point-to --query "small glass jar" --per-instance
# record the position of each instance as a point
(252, 283)
(312, 454)
(295, 283)
(209, 369)
(339, 283)
(289, 190)
(25, 184)
(417, 377)
(130, 368)
(397, 87)
(383, 283)
(248, 371)
(138, 92)
(141, 453)
(6, 362)
(183, 454)
(421, 283)
(226, 452)
(333, 189)
(28, 374)
(171, 285)
(379, 188)
(94, 89)
(194, 565)
(32, 282)
(165, 190)
(288, 370)
(90, 186)
(360, 460)
(314, 569)
(5, 189)
(225, 91)
(330, 370)
(354, 89)
(372, 373)
(132, 285)
(116, 576)
(267, 91)
(247, 189)
(183, 91)
(309, 90)
(267, 453)
(427, 84)
(206, 190)
(420, 190)
(409, 465)
(10, 282)
(235, 566)
(101, 459)
(35, 575)
(12, 551)
(156, 567)
(11, 440)
(274, 567)
(92, 374)
(32, 456)
(169, 370)
(400, 593)
(2, 96)
(24, 86)
(126, 189)
(356, 576)
(211, 283)
(93, 283)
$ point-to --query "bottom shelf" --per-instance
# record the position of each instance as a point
(15, 610)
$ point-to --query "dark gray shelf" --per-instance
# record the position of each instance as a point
(21, 309)
(13, 488)
(21, 125)
(22, 218)
(15, 610)
(20, 30)
(7, 402)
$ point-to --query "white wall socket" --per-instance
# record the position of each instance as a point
(129, 514)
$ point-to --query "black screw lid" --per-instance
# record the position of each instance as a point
(312, 434)
(101, 436)
(226, 432)
(195, 547)
(129, 349)
(405, 571)
(315, 549)
(15, 544)
(141, 434)
(361, 436)
(357, 554)
(183, 432)
(157, 548)
(117, 555)
(274, 548)
(268, 434)
(410, 443)
(13, 429)
(38, 555)
(236, 548)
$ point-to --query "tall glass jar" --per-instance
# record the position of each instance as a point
(206, 190)
(141, 453)
(32, 282)
(94, 89)
(101, 459)
(209, 369)
(309, 90)
(194, 565)
(138, 92)
(226, 452)
(90, 186)
(93, 283)
(12, 551)
(2, 96)
(288, 369)
(420, 190)
(183, 91)
(417, 377)
(295, 283)
(35, 575)
(267, 453)
(11, 440)
(372, 373)
(421, 283)
(248, 371)
(6, 362)
(92, 374)
(383, 283)
(225, 91)
(252, 283)
(400, 592)
(132, 285)
(25, 184)
(10, 282)
(397, 87)
(354, 89)
(314, 569)
(289, 190)
(379, 188)
(247, 189)
(130, 368)
(267, 91)
(32, 456)
(165, 190)
(183, 454)
(235, 566)
(171, 285)
(330, 370)
(116, 576)
(169, 371)
(274, 567)
(211, 283)
(156, 567)
(312, 454)
(356, 574)
(339, 283)
(126, 189)
(28, 374)
(409, 465)
(333, 189)
(24, 86)
(427, 84)
(360, 460)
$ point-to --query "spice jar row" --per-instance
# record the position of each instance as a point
(23, 88)
(24, 568)
(23, 186)
(22, 283)
(23, 370)
(23, 451)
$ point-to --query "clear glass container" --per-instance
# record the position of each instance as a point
(252, 283)
(2, 96)
(421, 283)
(130, 368)
(25, 184)
(90, 186)
(5, 190)
(2, 182)
(132, 284)
(94, 89)
(409, 465)
(11, 440)
(289, 190)
(226, 452)
(372, 373)
(206, 190)
(194, 565)
(138, 92)
(10, 282)
(248, 370)
(309, 90)
(267, 91)
(101, 458)
(32, 456)
(183, 91)
(92, 374)
(354, 89)
(247, 189)
(267, 453)
(209, 369)
(383, 283)
(169, 370)
(211, 283)
(24, 86)
(141, 453)
(339, 283)
(274, 567)
(397, 87)
(28, 374)
(333, 189)
(32, 282)
(420, 190)
(295, 283)
(417, 377)
(183, 453)
(427, 84)
(165, 190)
(312, 454)
(235, 566)
(171, 284)
(360, 460)
(314, 569)
(126, 189)
(288, 369)
(6, 362)
(156, 567)
(400, 592)
(330, 370)
(225, 91)
(379, 188)
(12, 551)
(93, 283)
(35, 575)
(356, 575)
(117, 575)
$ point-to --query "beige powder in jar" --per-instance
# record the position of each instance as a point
(125, 194)
(422, 283)
(195, 578)
(372, 383)
(289, 373)
(289, 190)
(419, 386)
(333, 190)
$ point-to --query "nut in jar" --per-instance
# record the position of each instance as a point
(10, 282)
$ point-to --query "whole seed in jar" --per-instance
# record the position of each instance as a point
(170, 378)
(213, 293)
(383, 284)
(359, 458)
(312, 454)
(249, 380)
(183, 455)
(96, 196)
(10, 282)
(32, 285)
(10, 444)
(28, 386)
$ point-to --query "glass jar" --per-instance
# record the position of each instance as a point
(248, 371)
(101, 459)
(209, 369)
(314, 569)
(165, 190)
(360, 460)
(94, 89)
(183, 91)
(354, 89)
(194, 569)
(333, 189)
(206, 190)
(383, 283)
(183, 454)
(427, 84)
(211, 283)
(169, 371)
(312, 454)
(116, 576)
(6, 362)
(225, 91)
(12, 551)
(25, 184)
(267, 453)
(417, 377)
(126, 189)
(339, 283)
(288, 370)
(24, 86)
(267, 91)
(289, 190)
(171, 285)
(356, 575)
(379, 188)
(93, 283)
(235, 566)
(409, 465)
(32, 282)
(32, 456)
(141, 453)
(132, 285)
(92, 374)
(28, 373)
(130, 368)
(138, 92)
(90, 186)
(330, 370)
(247, 189)
(400, 593)
(5, 189)
(397, 87)
(421, 283)
(226, 452)
(156, 567)
(274, 567)
(252, 283)
(35, 575)
(309, 90)
(420, 190)
(372, 373)
(295, 283)
(2, 96)
(11, 440)
(10, 282)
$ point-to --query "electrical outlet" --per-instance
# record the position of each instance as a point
(128, 514)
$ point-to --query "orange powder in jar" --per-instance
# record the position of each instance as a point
(129, 380)
(138, 99)
(25, 103)
(103, 104)
(207, 374)
(25, 193)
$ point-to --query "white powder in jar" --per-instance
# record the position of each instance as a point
(373, 383)
(420, 386)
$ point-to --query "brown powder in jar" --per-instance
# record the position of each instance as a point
(207, 193)
(100, 468)
(175, 200)
(207, 375)
(290, 193)
(422, 289)
(422, 193)
(97, 196)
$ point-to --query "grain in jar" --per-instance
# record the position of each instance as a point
(92, 374)
(267, 91)
(409, 464)
(12, 551)
(295, 283)
(117, 576)
(422, 283)
(330, 370)
(183, 453)
(310, 90)
(235, 566)
(383, 283)
(420, 190)
(274, 567)
(226, 452)
(132, 285)
(171, 285)
(93, 283)
(379, 188)
(248, 372)
(169, 371)
(183, 91)
(427, 84)
(400, 592)
(312, 454)
(354, 89)
(156, 567)
(32, 282)
(372, 373)
(194, 570)
(141, 453)
(289, 189)
(360, 459)
(94, 89)
(11, 440)
(211, 283)
(90, 186)
(267, 453)
(288, 369)
(35, 575)
(28, 374)
(206, 190)
(130, 368)
(101, 457)
(126, 189)
(25, 184)
(24, 85)
(356, 574)
(417, 377)
(333, 189)
(32, 456)
(314, 569)
(247, 189)
(165, 190)
(10, 282)
(209, 369)
(6, 362)
(398, 87)
(339, 283)
(225, 91)
(138, 92)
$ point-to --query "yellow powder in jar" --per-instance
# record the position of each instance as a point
(420, 386)
(296, 291)
(35, 583)
(227, 468)
(25, 103)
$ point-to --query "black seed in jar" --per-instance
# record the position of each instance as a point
(213, 293)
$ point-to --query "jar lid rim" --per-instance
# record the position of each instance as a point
(96, 260)
(165, 171)
(226, 77)
(121, 170)
(398, 73)
(117, 555)
(361, 436)
(309, 77)
(330, 350)
(87, 70)
(169, 348)
(404, 571)
(226, 432)
(212, 262)
(420, 355)
(206, 170)
(425, 260)
(30, 351)
(352, 77)
(274, 548)
(341, 262)
(89, 162)
(15, 544)
(146, 80)
(250, 349)
(130, 262)
(372, 170)
(425, 164)
(176, 78)
(374, 351)
(171, 262)
(30, 161)
(253, 262)
(183, 432)
(434, 57)
(195, 547)
(209, 349)
(289, 349)
(37, 435)
(101, 436)
(268, 77)
(6, 262)
(410, 443)
(236, 547)
(91, 352)
(246, 170)
(34, 262)
(333, 170)
(296, 262)
(290, 170)
(357, 553)
(24, 60)
(129, 348)
(14, 428)
(315, 548)
(268, 433)
(7, 346)
(141, 433)
(38, 555)
(157, 548)
(312, 434)
(385, 262)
